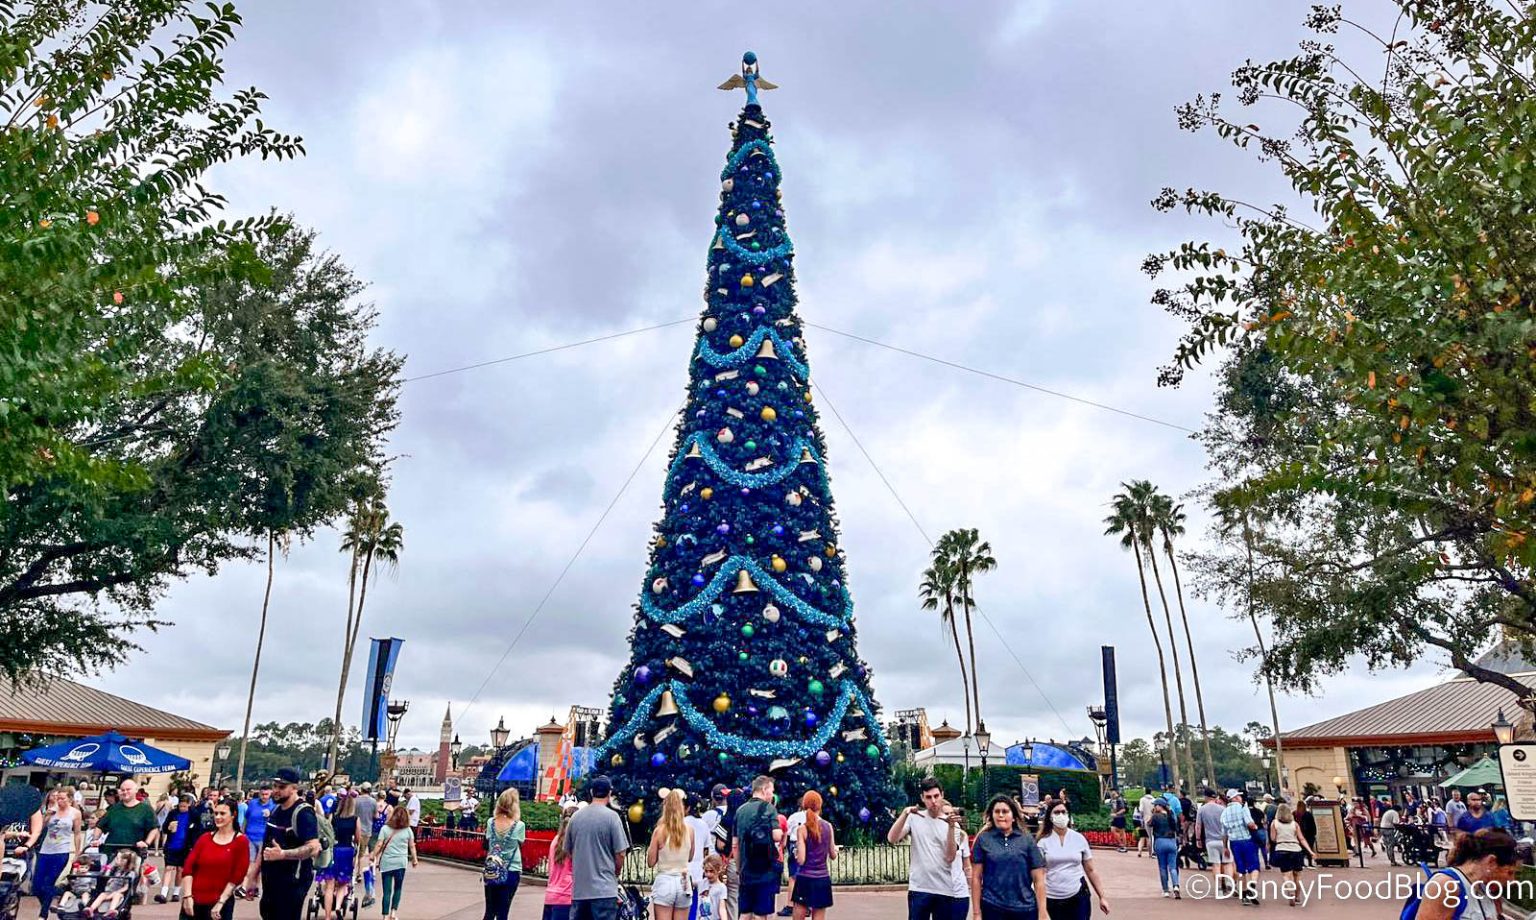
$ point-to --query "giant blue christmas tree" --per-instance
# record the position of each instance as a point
(744, 658)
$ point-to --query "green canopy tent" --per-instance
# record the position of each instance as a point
(1485, 772)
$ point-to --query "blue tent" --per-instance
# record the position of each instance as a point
(108, 753)
(1046, 757)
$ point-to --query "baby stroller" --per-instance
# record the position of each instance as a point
(347, 903)
(14, 873)
(87, 879)
(632, 904)
(1416, 844)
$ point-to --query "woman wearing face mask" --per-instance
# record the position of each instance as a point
(1068, 869)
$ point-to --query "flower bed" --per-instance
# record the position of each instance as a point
(470, 848)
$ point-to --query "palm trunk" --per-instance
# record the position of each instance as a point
(261, 637)
(346, 658)
(970, 637)
(1162, 669)
(965, 684)
(1194, 669)
(1274, 712)
(1181, 739)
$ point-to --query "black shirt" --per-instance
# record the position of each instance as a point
(346, 831)
(289, 828)
(1007, 865)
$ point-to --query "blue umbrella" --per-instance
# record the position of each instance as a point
(107, 753)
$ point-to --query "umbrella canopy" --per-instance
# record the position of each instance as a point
(108, 753)
(1485, 772)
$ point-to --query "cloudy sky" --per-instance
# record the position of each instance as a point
(967, 180)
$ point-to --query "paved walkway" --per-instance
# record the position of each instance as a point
(442, 892)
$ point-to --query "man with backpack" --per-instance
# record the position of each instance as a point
(293, 843)
(757, 849)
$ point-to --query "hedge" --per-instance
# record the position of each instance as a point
(538, 816)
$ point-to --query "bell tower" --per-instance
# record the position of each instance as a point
(444, 751)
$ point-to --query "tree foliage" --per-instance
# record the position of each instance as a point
(1374, 439)
(171, 384)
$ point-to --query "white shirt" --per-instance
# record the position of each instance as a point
(414, 807)
(1144, 808)
(930, 873)
(1389, 819)
(795, 822)
(1064, 859)
(701, 840)
(957, 868)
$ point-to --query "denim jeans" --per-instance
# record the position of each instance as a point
(1166, 849)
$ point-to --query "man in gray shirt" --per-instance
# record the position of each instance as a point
(597, 843)
(367, 810)
(1210, 833)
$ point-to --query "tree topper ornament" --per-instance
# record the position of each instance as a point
(748, 78)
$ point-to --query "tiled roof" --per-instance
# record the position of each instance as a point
(65, 707)
(1459, 709)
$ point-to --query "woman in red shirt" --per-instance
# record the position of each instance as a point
(217, 864)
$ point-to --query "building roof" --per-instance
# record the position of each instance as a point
(1458, 711)
(63, 707)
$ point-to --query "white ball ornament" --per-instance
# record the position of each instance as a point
(771, 613)
(658, 586)
(752, 388)
(710, 325)
(725, 436)
(778, 667)
(793, 498)
(727, 185)
(815, 563)
(743, 219)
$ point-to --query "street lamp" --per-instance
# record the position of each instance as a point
(223, 754)
(1028, 750)
(394, 713)
(984, 740)
(454, 749)
(1503, 729)
(499, 734)
(1267, 761)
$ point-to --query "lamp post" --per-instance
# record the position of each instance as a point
(394, 713)
(1503, 729)
(222, 752)
(1100, 718)
(984, 740)
(965, 784)
(455, 748)
(499, 734)
(1267, 761)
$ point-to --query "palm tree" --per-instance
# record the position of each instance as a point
(1149, 499)
(273, 543)
(937, 591)
(1168, 517)
(1126, 522)
(370, 537)
(967, 555)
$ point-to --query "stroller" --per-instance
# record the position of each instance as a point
(347, 907)
(14, 873)
(1416, 844)
(632, 904)
(87, 879)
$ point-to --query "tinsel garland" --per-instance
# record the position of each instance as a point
(773, 477)
(748, 352)
(726, 578)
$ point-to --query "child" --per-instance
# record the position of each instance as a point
(94, 836)
(121, 877)
(712, 902)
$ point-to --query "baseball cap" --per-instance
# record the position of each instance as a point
(720, 791)
(1233, 793)
(366, 787)
(600, 786)
(288, 776)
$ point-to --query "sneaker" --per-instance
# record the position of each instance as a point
(787, 911)
(175, 896)
(368, 901)
(1165, 893)
(160, 898)
(1176, 895)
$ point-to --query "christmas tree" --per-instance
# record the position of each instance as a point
(743, 657)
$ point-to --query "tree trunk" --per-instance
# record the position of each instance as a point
(1194, 669)
(1274, 712)
(965, 684)
(346, 656)
(970, 637)
(1181, 739)
(261, 636)
(1162, 668)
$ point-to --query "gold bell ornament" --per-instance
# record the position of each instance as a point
(667, 706)
(766, 349)
(744, 583)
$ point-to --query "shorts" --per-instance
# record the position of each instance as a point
(794, 864)
(1286, 860)
(1118, 822)
(672, 890)
(557, 912)
(757, 898)
(175, 858)
(255, 846)
(1216, 853)
(1245, 856)
(814, 893)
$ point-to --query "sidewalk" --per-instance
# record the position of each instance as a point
(442, 892)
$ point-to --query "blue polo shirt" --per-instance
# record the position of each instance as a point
(1471, 824)
(1007, 863)
(256, 815)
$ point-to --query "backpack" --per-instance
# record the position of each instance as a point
(327, 834)
(1411, 906)
(761, 853)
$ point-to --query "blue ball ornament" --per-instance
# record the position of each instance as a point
(810, 719)
(823, 758)
(642, 675)
(864, 815)
(658, 759)
(778, 530)
(759, 310)
(698, 578)
(723, 528)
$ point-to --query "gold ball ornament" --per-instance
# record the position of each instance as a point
(737, 341)
(807, 395)
(706, 493)
(636, 813)
(769, 414)
(616, 760)
(746, 281)
(778, 563)
(831, 789)
(722, 703)
(839, 758)
(831, 550)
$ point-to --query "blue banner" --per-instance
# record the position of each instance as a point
(382, 655)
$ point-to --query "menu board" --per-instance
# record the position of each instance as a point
(1331, 846)
(1518, 764)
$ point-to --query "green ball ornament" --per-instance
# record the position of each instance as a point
(750, 540)
(815, 687)
(742, 656)
(759, 370)
(751, 445)
(747, 630)
(873, 750)
(725, 757)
